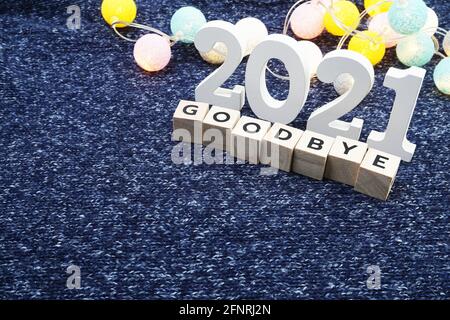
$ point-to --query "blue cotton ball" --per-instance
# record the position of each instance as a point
(416, 50)
(408, 16)
(186, 22)
(441, 76)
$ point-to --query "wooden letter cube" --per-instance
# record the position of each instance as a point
(187, 121)
(246, 138)
(344, 160)
(310, 154)
(377, 173)
(217, 127)
(278, 145)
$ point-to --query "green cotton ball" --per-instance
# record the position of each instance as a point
(186, 22)
(408, 17)
(441, 76)
(416, 50)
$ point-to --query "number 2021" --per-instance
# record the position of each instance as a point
(405, 83)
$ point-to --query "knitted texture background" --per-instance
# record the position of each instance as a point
(87, 178)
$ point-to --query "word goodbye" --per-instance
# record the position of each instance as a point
(406, 83)
(283, 147)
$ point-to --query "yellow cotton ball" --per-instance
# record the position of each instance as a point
(217, 55)
(119, 10)
(370, 44)
(379, 9)
(346, 13)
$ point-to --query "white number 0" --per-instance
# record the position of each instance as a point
(266, 107)
(407, 84)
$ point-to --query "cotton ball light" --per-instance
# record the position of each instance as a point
(441, 76)
(307, 20)
(370, 44)
(380, 25)
(384, 7)
(118, 10)
(408, 16)
(313, 55)
(152, 52)
(446, 44)
(415, 50)
(432, 23)
(343, 83)
(253, 31)
(186, 22)
(346, 13)
(216, 55)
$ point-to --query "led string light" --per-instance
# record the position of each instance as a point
(152, 51)
(390, 25)
(416, 48)
(385, 28)
(346, 28)
(184, 25)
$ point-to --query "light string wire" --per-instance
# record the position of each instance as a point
(172, 40)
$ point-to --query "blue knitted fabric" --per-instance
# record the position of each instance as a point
(86, 177)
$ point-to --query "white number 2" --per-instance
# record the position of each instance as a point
(209, 90)
(324, 120)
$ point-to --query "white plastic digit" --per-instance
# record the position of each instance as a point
(324, 120)
(407, 84)
(209, 90)
(264, 106)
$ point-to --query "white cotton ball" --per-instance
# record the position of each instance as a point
(253, 31)
(432, 23)
(343, 83)
(313, 55)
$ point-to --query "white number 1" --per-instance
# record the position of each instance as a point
(407, 84)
